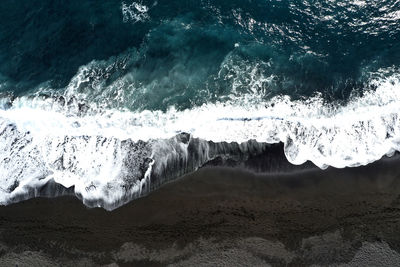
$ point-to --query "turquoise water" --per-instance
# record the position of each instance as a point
(186, 53)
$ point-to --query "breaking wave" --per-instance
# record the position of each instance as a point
(111, 156)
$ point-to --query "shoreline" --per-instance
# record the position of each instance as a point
(250, 156)
(302, 218)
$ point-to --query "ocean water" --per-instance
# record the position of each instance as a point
(114, 98)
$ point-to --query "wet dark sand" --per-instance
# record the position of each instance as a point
(220, 216)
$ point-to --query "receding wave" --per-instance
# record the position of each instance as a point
(111, 156)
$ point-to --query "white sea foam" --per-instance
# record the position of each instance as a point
(134, 12)
(45, 138)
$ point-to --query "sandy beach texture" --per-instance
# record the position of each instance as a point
(220, 217)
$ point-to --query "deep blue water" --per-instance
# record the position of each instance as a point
(187, 53)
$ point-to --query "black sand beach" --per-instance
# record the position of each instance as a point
(220, 216)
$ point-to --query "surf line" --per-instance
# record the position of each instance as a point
(250, 118)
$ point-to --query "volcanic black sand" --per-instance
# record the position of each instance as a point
(220, 216)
